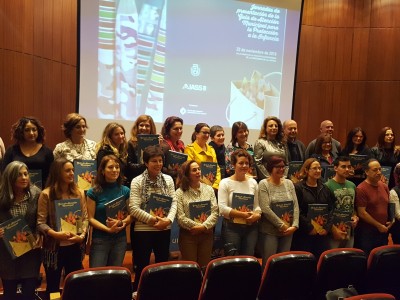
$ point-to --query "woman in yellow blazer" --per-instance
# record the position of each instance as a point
(200, 151)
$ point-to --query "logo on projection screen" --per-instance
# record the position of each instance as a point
(195, 70)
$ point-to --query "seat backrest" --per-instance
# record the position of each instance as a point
(340, 267)
(175, 280)
(383, 265)
(375, 296)
(98, 283)
(288, 275)
(231, 277)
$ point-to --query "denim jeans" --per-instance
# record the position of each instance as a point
(107, 251)
(244, 237)
(272, 244)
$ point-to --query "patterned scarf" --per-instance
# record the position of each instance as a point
(159, 183)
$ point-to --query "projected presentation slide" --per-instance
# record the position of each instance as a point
(206, 61)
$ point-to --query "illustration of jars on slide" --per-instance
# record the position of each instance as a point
(259, 95)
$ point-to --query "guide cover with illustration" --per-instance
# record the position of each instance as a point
(18, 237)
(85, 171)
(158, 205)
(68, 215)
(199, 211)
(318, 216)
(284, 210)
(116, 209)
(242, 202)
(174, 160)
(145, 140)
(208, 172)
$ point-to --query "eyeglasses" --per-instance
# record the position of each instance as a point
(205, 132)
(243, 163)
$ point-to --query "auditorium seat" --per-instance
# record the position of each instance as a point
(231, 277)
(339, 268)
(172, 280)
(288, 276)
(383, 270)
(101, 283)
(375, 296)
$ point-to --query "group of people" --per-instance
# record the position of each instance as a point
(277, 218)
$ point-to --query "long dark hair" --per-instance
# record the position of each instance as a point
(348, 148)
(322, 138)
(381, 138)
(17, 129)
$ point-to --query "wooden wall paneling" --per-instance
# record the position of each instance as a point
(38, 84)
(385, 13)
(362, 13)
(382, 107)
(38, 28)
(2, 24)
(28, 14)
(69, 32)
(359, 54)
(343, 53)
(383, 56)
(56, 34)
(26, 85)
(304, 67)
(48, 28)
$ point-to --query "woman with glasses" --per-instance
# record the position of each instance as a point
(323, 150)
(239, 228)
(280, 210)
(314, 222)
(270, 142)
(76, 146)
(200, 151)
(29, 136)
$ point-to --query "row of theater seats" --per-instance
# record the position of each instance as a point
(293, 275)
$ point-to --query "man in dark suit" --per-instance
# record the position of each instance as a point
(296, 149)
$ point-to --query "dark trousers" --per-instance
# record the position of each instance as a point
(28, 286)
(368, 238)
(316, 244)
(69, 259)
(145, 242)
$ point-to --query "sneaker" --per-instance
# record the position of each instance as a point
(134, 295)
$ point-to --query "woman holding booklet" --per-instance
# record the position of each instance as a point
(172, 133)
(239, 205)
(197, 214)
(18, 198)
(107, 210)
(278, 201)
(153, 206)
(63, 231)
(200, 151)
(316, 202)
